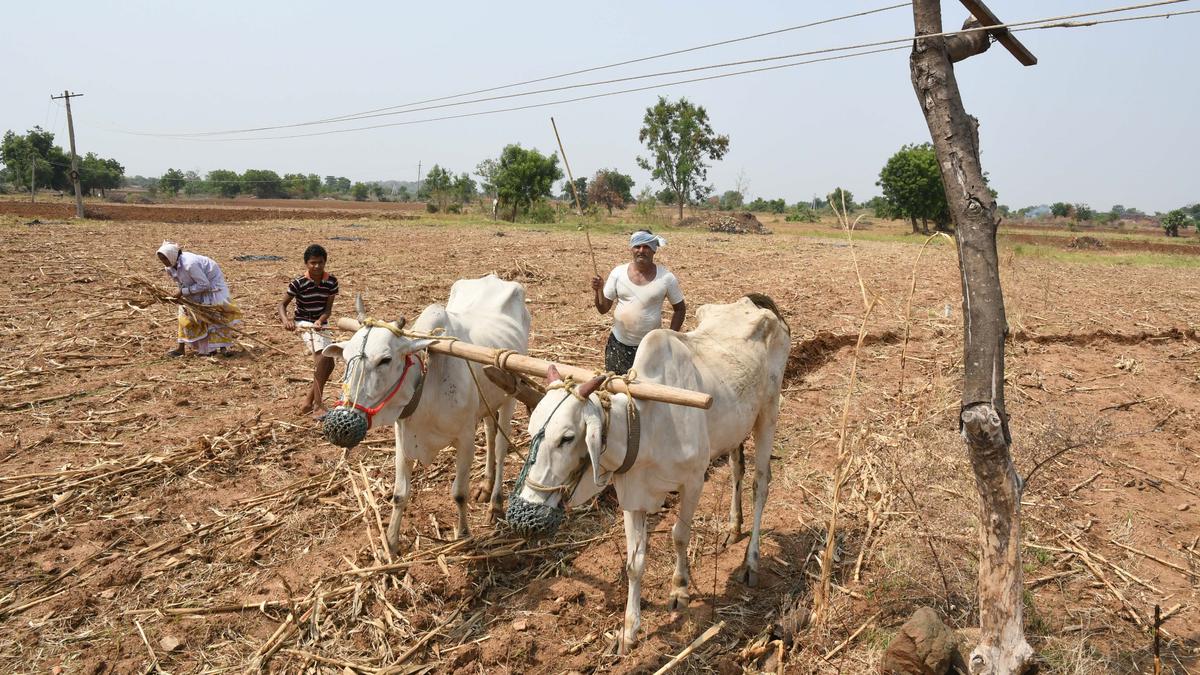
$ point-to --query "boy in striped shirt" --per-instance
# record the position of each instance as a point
(314, 293)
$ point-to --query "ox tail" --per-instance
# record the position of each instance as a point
(763, 301)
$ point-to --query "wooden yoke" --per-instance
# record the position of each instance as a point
(529, 365)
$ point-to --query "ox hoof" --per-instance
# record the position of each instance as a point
(679, 600)
(481, 492)
(625, 645)
(747, 576)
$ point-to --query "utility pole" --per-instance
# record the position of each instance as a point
(67, 96)
(983, 421)
(32, 175)
(417, 196)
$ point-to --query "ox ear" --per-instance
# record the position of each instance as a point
(418, 345)
(595, 448)
(335, 350)
(552, 375)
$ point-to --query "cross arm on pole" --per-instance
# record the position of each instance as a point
(1003, 36)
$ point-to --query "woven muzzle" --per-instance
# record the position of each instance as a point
(344, 427)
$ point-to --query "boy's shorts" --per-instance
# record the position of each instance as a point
(315, 340)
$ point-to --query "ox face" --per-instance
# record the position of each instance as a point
(567, 437)
(379, 363)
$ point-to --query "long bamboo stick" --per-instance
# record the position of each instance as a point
(529, 365)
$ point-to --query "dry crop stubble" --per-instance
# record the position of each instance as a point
(185, 495)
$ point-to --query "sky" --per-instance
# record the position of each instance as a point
(1106, 117)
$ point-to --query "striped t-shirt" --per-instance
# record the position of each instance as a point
(311, 296)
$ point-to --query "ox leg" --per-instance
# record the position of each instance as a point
(464, 452)
(498, 451)
(737, 471)
(764, 442)
(681, 535)
(483, 491)
(635, 565)
(400, 495)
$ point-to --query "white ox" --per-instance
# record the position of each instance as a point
(489, 312)
(737, 354)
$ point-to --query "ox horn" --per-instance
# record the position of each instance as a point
(399, 323)
(552, 375)
(360, 308)
(588, 388)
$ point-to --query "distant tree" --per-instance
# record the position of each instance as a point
(523, 177)
(331, 184)
(263, 183)
(1173, 221)
(487, 171)
(437, 187)
(193, 184)
(581, 185)
(224, 182)
(1116, 211)
(842, 199)
(1060, 209)
(1193, 212)
(342, 185)
(171, 182)
(403, 194)
(464, 188)
(730, 200)
(359, 191)
(912, 189)
(377, 192)
(680, 140)
(1084, 212)
(98, 175)
(611, 189)
(50, 164)
(802, 212)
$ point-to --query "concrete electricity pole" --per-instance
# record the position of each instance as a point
(67, 96)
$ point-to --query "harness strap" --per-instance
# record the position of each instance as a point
(633, 440)
(411, 406)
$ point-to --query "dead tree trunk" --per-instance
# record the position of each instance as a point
(983, 422)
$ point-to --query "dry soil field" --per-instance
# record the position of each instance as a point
(179, 515)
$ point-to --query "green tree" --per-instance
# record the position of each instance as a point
(264, 183)
(487, 171)
(36, 150)
(912, 188)
(193, 184)
(1060, 209)
(437, 188)
(523, 177)
(464, 188)
(171, 182)
(842, 199)
(403, 194)
(680, 140)
(98, 175)
(611, 189)
(581, 185)
(1174, 221)
(731, 199)
(1084, 212)
(360, 191)
(377, 192)
(224, 182)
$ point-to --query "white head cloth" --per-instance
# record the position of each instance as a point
(171, 250)
(643, 237)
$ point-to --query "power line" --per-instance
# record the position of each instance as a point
(1041, 24)
(904, 40)
(372, 112)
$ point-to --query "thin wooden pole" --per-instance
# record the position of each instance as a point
(575, 192)
(529, 365)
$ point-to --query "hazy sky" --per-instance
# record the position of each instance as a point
(1107, 116)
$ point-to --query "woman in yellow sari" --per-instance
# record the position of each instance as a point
(209, 329)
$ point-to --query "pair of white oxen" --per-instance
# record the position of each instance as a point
(737, 354)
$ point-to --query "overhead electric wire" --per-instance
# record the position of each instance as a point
(1037, 24)
(1013, 27)
(372, 112)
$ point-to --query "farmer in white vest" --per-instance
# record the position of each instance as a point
(638, 289)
